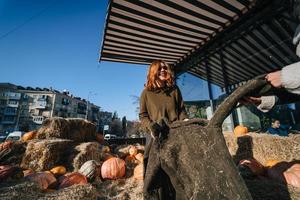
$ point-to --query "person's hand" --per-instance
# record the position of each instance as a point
(155, 129)
(250, 100)
(275, 79)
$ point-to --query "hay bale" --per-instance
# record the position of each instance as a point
(84, 152)
(79, 130)
(26, 190)
(263, 147)
(43, 155)
(56, 127)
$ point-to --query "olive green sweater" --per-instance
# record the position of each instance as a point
(161, 103)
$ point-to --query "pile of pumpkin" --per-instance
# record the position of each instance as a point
(114, 167)
(281, 171)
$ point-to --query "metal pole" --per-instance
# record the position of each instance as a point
(207, 70)
(19, 112)
(226, 87)
(87, 108)
(53, 103)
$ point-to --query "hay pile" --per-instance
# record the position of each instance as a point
(78, 130)
(263, 147)
(42, 155)
(26, 190)
(125, 189)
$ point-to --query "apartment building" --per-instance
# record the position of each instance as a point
(9, 103)
(26, 108)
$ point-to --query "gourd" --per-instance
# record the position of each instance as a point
(240, 130)
(90, 170)
(113, 168)
(58, 170)
(29, 136)
(45, 180)
(74, 178)
(292, 175)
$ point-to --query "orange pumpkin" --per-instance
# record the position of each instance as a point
(58, 170)
(140, 157)
(292, 175)
(138, 172)
(256, 167)
(132, 150)
(113, 168)
(29, 136)
(70, 179)
(240, 130)
(6, 145)
(43, 179)
(271, 163)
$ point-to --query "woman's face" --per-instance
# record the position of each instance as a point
(162, 72)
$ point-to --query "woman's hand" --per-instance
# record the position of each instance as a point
(275, 79)
(250, 100)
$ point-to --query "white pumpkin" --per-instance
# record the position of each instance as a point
(90, 170)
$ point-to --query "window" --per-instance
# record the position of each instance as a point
(65, 101)
(12, 102)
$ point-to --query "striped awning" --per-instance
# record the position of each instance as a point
(225, 41)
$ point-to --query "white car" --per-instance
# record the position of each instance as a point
(109, 136)
(16, 135)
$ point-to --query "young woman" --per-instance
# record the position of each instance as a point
(160, 99)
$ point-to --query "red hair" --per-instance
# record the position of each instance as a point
(152, 76)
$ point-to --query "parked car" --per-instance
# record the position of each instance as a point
(15, 135)
(134, 136)
(109, 136)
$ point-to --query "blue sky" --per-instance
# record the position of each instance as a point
(56, 43)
